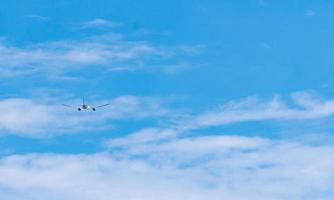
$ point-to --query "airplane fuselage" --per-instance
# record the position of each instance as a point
(85, 107)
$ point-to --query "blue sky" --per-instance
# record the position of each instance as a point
(208, 99)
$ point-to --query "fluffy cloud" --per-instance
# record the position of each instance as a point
(216, 167)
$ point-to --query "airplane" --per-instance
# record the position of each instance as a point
(84, 106)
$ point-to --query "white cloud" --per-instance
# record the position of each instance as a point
(216, 167)
(166, 163)
(99, 23)
(239, 167)
(305, 106)
(143, 136)
(57, 57)
(109, 52)
(37, 119)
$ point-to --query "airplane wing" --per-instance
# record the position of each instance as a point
(103, 105)
(68, 106)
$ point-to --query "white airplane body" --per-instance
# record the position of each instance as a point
(84, 106)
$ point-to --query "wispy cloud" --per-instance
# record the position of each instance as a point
(34, 118)
(62, 55)
(304, 106)
(99, 23)
(36, 17)
(109, 52)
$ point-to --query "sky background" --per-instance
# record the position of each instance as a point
(208, 99)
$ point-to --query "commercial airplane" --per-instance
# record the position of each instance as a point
(85, 106)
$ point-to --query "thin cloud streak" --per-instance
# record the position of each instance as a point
(99, 23)
(37, 17)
